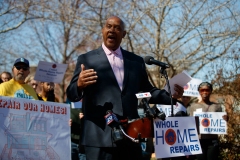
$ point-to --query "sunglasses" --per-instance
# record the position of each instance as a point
(204, 90)
(21, 67)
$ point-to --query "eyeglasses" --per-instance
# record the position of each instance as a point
(205, 90)
(21, 67)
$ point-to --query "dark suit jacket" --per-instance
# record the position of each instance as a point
(106, 94)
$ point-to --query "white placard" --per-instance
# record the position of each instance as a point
(50, 72)
(191, 88)
(176, 136)
(181, 79)
(167, 108)
(178, 108)
(211, 122)
(32, 129)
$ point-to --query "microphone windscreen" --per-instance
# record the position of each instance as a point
(147, 60)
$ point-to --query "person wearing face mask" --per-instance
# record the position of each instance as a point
(16, 87)
(209, 142)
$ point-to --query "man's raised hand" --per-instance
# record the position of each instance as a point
(86, 77)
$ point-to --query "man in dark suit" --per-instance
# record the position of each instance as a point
(108, 79)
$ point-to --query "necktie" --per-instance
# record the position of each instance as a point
(118, 68)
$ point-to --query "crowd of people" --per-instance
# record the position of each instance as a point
(23, 85)
(106, 80)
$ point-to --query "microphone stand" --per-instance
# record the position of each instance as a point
(164, 73)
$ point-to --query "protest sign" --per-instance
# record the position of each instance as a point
(176, 136)
(191, 88)
(50, 72)
(181, 79)
(167, 108)
(211, 122)
(31, 129)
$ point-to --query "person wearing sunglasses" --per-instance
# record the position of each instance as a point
(16, 87)
(209, 142)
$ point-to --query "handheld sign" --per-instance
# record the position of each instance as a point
(212, 122)
(176, 136)
(50, 72)
(191, 88)
(167, 108)
(181, 79)
(32, 129)
(179, 107)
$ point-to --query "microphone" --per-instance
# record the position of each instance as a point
(144, 97)
(112, 121)
(150, 60)
(152, 111)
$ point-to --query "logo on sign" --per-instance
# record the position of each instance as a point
(177, 105)
(108, 118)
(170, 137)
(186, 87)
(143, 95)
(54, 66)
(205, 122)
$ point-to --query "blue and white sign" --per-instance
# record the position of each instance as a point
(176, 136)
(167, 109)
(191, 88)
(212, 122)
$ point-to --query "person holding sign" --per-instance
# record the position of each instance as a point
(47, 92)
(209, 142)
(181, 111)
(107, 79)
(16, 87)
